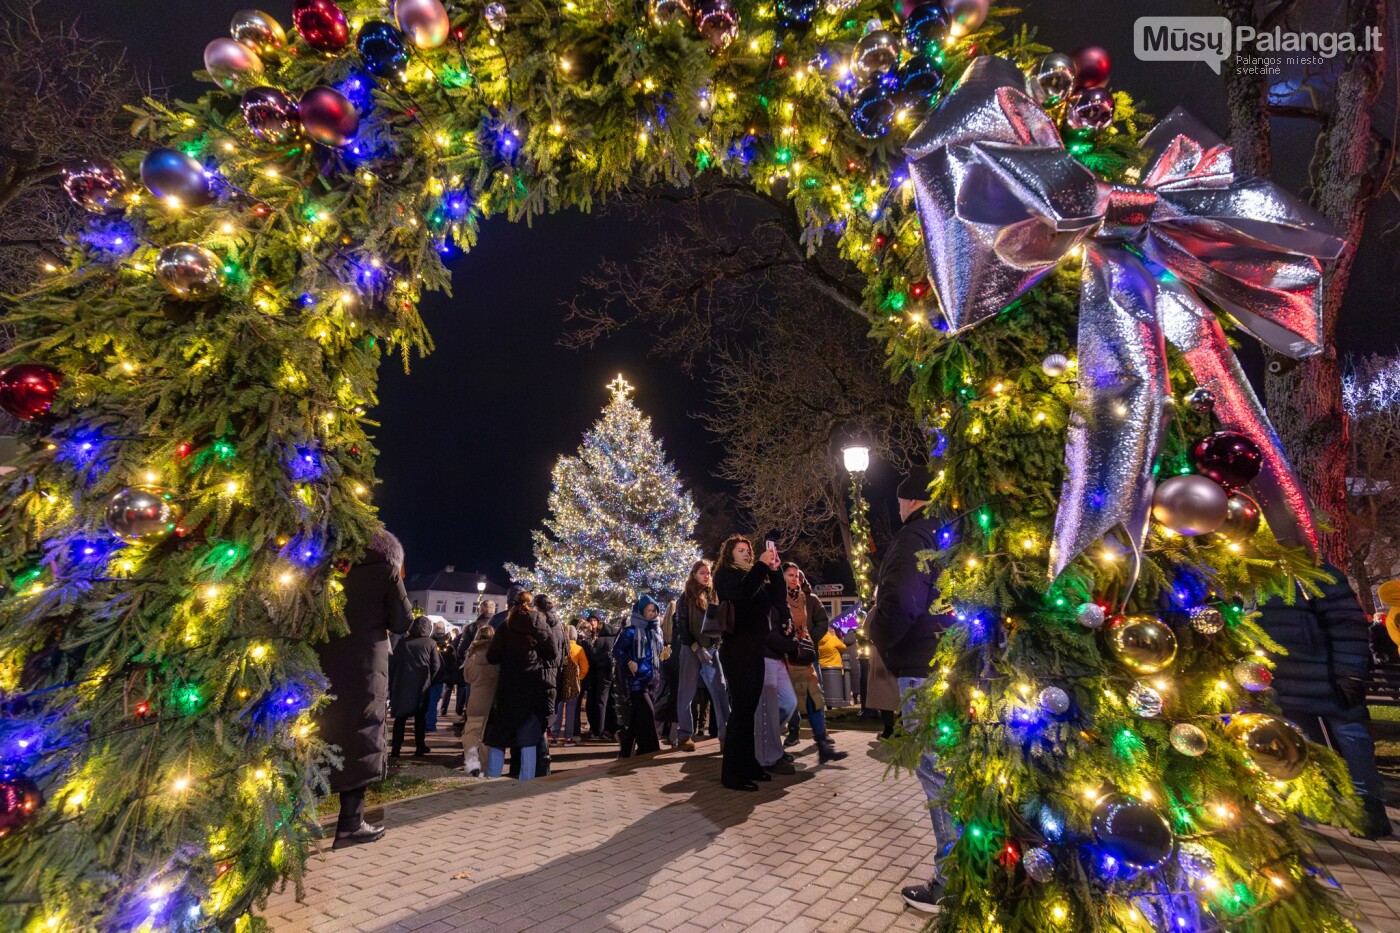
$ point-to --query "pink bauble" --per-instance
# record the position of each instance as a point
(425, 22)
(328, 117)
(231, 63)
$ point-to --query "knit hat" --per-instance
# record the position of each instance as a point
(914, 487)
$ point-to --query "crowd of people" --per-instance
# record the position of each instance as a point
(742, 654)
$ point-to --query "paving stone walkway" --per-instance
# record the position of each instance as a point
(655, 844)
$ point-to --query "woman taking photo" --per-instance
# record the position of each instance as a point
(753, 587)
(696, 652)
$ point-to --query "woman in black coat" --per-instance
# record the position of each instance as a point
(525, 648)
(602, 718)
(754, 588)
(414, 664)
(357, 666)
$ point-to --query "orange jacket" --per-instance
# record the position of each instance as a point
(580, 658)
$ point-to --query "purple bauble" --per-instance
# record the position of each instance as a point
(1229, 458)
(328, 117)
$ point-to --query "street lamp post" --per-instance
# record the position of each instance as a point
(480, 591)
(856, 458)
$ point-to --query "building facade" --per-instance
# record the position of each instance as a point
(452, 594)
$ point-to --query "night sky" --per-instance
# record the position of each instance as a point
(469, 439)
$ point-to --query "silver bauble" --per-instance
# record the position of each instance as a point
(876, 54)
(94, 184)
(1252, 676)
(1189, 739)
(142, 515)
(1207, 620)
(1053, 700)
(1242, 516)
(1145, 701)
(496, 15)
(1195, 859)
(671, 11)
(258, 31)
(1090, 615)
(175, 178)
(1190, 504)
(1131, 831)
(1039, 864)
(1142, 644)
(231, 64)
(425, 22)
(1055, 365)
(271, 115)
(188, 270)
(1090, 109)
(1201, 400)
(1274, 745)
(717, 22)
(965, 15)
(1053, 78)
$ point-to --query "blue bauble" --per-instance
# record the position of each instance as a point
(926, 26)
(872, 113)
(383, 48)
(796, 14)
(169, 173)
(919, 79)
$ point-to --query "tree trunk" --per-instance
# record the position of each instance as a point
(1247, 96)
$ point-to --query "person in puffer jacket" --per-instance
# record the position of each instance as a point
(638, 653)
(1321, 682)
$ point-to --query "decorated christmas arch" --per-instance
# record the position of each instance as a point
(199, 371)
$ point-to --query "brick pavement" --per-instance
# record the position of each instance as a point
(656, 844)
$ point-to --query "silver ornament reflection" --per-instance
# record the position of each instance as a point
(142, 515)
(96, 185)
(495, 14)
(1090, 615)
(876, 54)
(1142, 644)
(258, 31)
(1091, 109)
(1242, 515)
(1191, 505)
(1131, 831)
(188, 270)
(1053, 78)
(1195, 859)
(1189, 739)
(1252, 676)
(717, 22)
(1053, 700)
(1274, 745)
(1145, 701)
(271, 115)
(231, 63)
(1201, 400)
(965, 15)
(1055, 365)
(1207, 620)
(1039, 864)
(671, 11)
(425, 22)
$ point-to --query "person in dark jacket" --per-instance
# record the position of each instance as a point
(559, 631)
(753, 586)
(1320, 683)
(412, 669)
(523, 647)
(810, 623)
(905, 630)
(697, 655)
(777, 701)
(357, 666)
(638, 653)
(602, 715)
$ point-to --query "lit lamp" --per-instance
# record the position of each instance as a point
(480, 590)
(856, 457)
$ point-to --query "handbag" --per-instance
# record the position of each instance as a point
(569, 686)
(719, 620)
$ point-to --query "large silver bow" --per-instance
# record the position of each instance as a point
(1002, 204)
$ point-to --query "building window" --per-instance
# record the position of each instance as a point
(441, 606)
(459, 607)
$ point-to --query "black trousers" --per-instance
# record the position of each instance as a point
(461, 689)
(352, 810)
(420, 726)
(641, 730)
(743, 669)
(600, 711)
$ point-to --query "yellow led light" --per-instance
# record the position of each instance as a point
(211, 592)
(286, 578)
(181, 784)
(258, 652)
(260, 775)
(1058, 913)
(225, 227)
(173, 203)
(231, 487)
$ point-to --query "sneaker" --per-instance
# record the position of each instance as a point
(925, 898)
(569, 743)
(687, 745)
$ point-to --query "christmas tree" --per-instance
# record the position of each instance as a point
(198, 368)
(619, 522)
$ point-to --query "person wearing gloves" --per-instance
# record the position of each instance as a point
(638, 653)
(696, 653)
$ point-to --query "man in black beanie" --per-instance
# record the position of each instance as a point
(906, 632)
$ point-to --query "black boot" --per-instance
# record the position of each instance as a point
(1375, 821)
(826, 751)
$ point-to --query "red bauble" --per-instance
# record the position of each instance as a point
(1091, 65)
(27, 390)
(1231, 459)
(321, 23)
(20, 799)
(328, 117)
